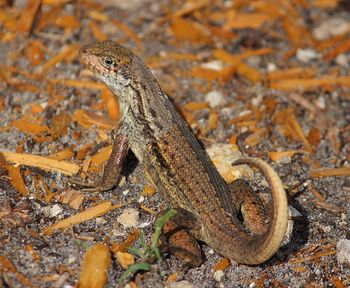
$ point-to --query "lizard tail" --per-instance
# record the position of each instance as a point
(261, 248)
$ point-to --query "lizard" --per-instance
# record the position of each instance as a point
(207, 207)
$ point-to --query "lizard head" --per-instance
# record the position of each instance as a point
(109, 61)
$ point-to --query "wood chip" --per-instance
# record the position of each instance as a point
(60, 124)
(148, 191)
(71, 197)
(189, 7)
(16, 178)
(278, 155)
(125, 245)
(236, 61)
(222, 264)
(62, 155)
(96, 262)
(35, 52)
(192, 106)
(187, 30)
(125, 259)
(88, 119)
(97, 31)
(326, 82)
(26, 20)
(44, 163)
(330, 207)
(67, 22)
(291, 127)
(79, 83)
(66, 54)
(316, 256)
(86, 215)
(292, 73)
(111, 104)
(328, 172)
(7, 267)
(30, 125)
(245, 20)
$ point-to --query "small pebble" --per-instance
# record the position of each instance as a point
(100, 220)
(129, 217)
(326, 228)
(52, 211)
(213, 65)
(214, 98)
(271, 67)
(342, 60)
(122, 181)
(343, 251)
(218, 275)
(306, 55)
(321, 103)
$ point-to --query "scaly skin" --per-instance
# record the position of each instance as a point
(178, 166)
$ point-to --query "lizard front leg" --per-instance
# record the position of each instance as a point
(112, 169)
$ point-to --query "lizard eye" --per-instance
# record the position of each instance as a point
(109, 62)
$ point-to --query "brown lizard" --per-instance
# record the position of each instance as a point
(207, 208)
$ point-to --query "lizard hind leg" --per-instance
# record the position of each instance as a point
(180, 233)
(250, 205)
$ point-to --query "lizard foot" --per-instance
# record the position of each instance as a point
(178, 232)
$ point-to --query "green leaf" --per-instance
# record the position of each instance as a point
(142, 266)
(159, 226)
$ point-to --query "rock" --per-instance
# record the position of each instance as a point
(129, 217)
(214, 98)
(343, 251)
